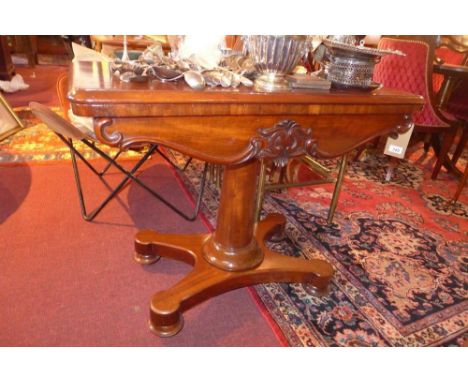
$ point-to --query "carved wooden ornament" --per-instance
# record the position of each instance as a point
(284, 140)
(402, 128)
(101, 128)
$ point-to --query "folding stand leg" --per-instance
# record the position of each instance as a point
(337, 190)
(129, 175)
(114, 158)
(183, 168)
(114, 192)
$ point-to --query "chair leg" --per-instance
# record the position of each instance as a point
(336, 193)
(337, 190)
(130, 175)
(90, 216)
(446, 144)
(260, 189)
(359, 152)
(427, 142)
(461, 145)
(461, 184)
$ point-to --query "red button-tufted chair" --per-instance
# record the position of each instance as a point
(455, 101)
(413, 73)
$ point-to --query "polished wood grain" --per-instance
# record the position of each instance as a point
(234, 128)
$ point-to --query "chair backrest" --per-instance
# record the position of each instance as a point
(412, 73)
(457, 44)
(62, 89)
(56, 122)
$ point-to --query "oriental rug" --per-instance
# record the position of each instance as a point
(398, 248)
(399, 251)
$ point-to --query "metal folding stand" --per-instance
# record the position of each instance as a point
(311, 163)
(170, 161)
(129, 175)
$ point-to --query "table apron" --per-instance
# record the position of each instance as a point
(232, 140)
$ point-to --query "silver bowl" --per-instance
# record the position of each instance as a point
(352, 66)
(275, 56)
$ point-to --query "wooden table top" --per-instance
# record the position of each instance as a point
(458, 71)
(93, 84)
(140, 42)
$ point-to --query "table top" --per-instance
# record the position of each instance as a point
(141, 42)
(92, 83)
(459, 71)
(174, 115)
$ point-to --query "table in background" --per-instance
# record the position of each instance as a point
(233, 128)
(133, 42)
(451, 73)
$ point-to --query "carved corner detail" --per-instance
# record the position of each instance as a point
(101, 128)
(285, 140)
(402, 128)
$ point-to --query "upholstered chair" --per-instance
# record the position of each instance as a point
(453, 96)
(413, 73)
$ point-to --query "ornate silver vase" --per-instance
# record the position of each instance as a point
(274, 57)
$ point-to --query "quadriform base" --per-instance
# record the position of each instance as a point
(207, 280)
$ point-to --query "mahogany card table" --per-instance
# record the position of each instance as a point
(234, 128)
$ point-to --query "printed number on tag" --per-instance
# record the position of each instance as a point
(395, 149)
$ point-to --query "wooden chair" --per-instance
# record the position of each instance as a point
(413, 73)
(69, 133)
(452, 95)
(448, 51)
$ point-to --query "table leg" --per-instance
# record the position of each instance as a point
(233, 256)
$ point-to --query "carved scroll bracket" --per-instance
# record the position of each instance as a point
(101, 128)
(402, 128)
(285, 140)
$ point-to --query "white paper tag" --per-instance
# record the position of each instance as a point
(397, 147)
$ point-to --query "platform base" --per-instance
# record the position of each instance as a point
(206, 280)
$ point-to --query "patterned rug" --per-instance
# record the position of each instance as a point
(36, 142)
(399, 251)
(398, 248)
